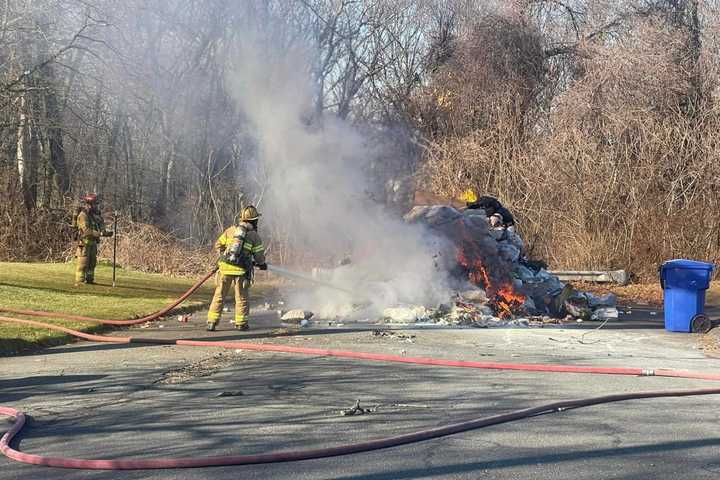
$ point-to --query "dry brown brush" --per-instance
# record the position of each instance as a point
(147, 248)
(624, 171)
(29, 234)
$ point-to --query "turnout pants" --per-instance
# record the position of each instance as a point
(86, 262)
(240, 285)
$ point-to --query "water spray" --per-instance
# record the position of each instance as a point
(306, 278)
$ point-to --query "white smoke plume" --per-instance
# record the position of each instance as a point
(317, 188)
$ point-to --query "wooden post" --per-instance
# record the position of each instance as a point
(115, 236)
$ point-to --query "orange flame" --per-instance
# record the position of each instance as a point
(476, 270)
(506, 298)
(509, 294)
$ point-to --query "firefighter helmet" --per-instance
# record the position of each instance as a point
(89, 198)
(249, 213)
(468, 196)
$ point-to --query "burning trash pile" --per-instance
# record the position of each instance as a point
(496, 284)
(474, 273)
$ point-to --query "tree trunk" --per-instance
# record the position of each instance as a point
(56, 151)
(21, 151)
(106, 173)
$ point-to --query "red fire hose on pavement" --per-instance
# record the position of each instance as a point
(295, 455)
(130, 464)
(379, 357)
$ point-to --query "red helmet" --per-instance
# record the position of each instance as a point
(89, 198)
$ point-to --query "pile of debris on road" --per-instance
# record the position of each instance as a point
(502, 287)
(487, 281)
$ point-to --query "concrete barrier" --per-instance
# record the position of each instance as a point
(611, 276)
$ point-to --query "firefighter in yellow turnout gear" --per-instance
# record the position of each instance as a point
(90, 227)
(240, 247)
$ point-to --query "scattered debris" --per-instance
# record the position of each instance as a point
(408, 405)
(581, 339)
(578, 306)
(230, 393)
(394, 335)
(296, 315)
(183, 318)
(357, 410)
(598, 301)
(406, 314)
(203, 368)
(472, 315)
(710, 343)
(475, 295)
(606, 313)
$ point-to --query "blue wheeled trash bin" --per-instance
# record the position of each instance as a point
(684, 283)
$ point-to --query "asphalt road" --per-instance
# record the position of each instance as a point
(106, 401)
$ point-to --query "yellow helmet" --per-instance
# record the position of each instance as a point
(249, 213)
(468, 196)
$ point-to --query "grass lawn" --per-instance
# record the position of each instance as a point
(50, 287)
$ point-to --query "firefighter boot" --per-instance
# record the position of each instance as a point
(215, 311)
(242, 306)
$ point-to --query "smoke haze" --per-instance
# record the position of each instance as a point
(317, 187)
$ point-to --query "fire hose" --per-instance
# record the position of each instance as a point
(154, 316)
(286, 456)
(378, 357)
(135, 321)
(296, 455)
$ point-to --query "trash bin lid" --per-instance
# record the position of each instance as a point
(689, 264)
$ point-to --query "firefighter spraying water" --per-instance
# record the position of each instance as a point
(240, 249)
(283, 272)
